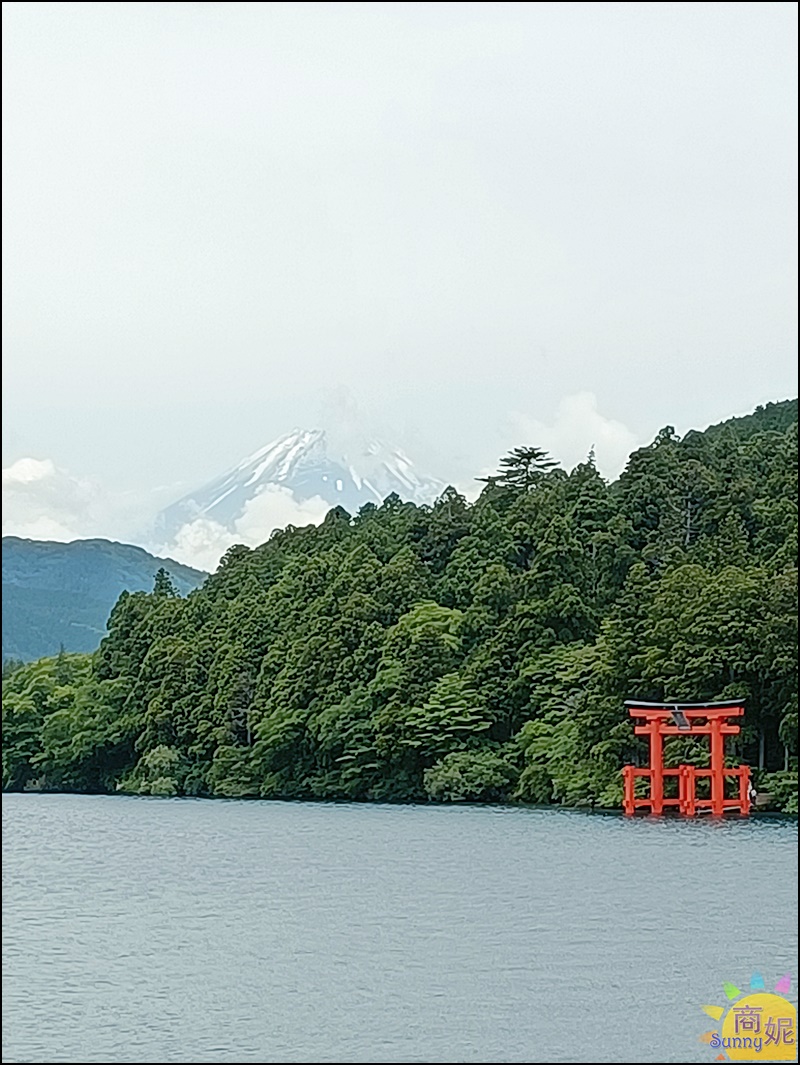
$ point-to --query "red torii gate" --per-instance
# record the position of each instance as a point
(686, 719)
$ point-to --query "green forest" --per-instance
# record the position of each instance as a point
(459, 652)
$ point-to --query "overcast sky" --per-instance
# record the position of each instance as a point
(488, 224)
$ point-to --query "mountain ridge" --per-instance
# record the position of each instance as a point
(60, 594)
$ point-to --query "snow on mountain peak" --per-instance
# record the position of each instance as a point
(308, 464)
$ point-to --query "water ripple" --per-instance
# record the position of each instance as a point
(179, 931)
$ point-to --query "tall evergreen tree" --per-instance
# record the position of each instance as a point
(521, 469)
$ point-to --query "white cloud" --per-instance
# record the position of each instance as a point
(200, 543)
(578, 427)
(44, 502)
(471, 489)
(274, 507)
(203, 542)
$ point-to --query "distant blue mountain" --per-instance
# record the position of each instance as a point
(58, 595)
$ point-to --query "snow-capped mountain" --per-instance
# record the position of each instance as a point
(305, 463)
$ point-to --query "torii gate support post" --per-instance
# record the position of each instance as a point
(688, 791)
(717, 768)
(629, 800)
(744, 789)
(656, 767)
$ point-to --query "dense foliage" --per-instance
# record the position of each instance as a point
(455, 652)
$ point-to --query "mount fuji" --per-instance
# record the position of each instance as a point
(308, 464)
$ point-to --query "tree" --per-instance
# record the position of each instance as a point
(523, 468)
(163, 586)
(471, 776)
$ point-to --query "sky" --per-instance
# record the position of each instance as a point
(484, 225)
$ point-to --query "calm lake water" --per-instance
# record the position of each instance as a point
(141, 930)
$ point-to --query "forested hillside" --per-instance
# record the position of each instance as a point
(60, 595)
(455, 652)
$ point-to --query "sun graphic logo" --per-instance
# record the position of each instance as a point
(758, 1025)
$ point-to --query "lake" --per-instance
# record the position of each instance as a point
(145, 930)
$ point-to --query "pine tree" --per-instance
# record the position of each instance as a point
(163, 586)
(522, 469)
